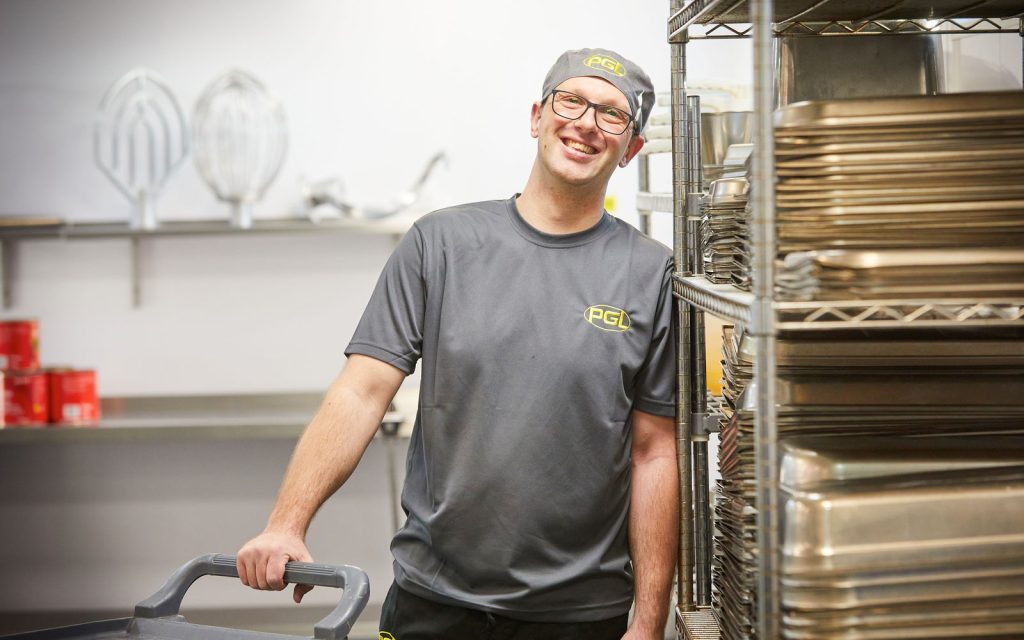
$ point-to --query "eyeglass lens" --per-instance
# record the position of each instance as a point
(609, 119)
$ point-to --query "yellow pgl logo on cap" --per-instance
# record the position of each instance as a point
(384, 635)
(604, 63)
(608, 318)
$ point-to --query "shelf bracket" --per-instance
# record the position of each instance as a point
(136, 272)
(7, 272)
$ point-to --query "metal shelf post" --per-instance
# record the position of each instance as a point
(763, 325)
(680, 183)
(698, 392)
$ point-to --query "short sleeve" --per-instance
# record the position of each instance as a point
(655, 389)
(391, 329)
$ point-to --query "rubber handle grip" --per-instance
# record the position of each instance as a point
(353, 582)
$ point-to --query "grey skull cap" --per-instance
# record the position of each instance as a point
(625, 75)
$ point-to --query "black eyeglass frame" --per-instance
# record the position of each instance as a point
(595, 105)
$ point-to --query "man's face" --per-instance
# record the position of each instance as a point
(577, 152)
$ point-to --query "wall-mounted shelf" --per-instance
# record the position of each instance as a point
(190, 418)
(14, 229)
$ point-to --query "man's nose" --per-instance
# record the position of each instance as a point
(588, 121)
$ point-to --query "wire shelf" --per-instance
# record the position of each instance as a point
(732, 304)
(698, 625)
(722, 31)
(732, 18)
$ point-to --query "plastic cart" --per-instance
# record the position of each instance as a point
(157, 617)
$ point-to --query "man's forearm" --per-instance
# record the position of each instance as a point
(654, 536)
(333, 443)
(325, 457)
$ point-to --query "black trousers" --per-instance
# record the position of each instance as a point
(409, 617)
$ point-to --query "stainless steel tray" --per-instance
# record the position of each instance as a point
(957, 611)
(794, 148)
(886, 389)
(910, 167)
(810, 461)
(931, 587)
(805, 199)
(921, 154)
(861, 528)
(886, 180)
(910, 110)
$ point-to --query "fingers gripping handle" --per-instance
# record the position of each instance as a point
(353, 582)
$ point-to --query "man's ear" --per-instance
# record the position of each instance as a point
(535, 112)
(635, 144)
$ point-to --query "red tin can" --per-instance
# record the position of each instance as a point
(26, 399)
(19, 345)
(73, 397)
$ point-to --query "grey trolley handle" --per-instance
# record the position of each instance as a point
(353, 582)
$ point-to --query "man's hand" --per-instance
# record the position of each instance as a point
(261, 561)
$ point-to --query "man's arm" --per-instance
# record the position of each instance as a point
(324, 458)
(653, 522)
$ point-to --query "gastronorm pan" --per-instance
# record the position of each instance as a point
(869, 194)
(903, 587)
(891, 388)
(810, 461)
(865, 525)
(955, 611)
(914, 145)
(909, 166)
(157, 618)
(907, 110)
(946, 156)
(889, 179)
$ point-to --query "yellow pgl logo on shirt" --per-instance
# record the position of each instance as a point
(607, 318)
(604, 63)
(384, 635)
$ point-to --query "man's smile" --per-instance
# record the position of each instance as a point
(579, 146)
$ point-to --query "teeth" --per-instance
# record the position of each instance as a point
(579, 146)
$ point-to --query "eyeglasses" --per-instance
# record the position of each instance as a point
(573, 107)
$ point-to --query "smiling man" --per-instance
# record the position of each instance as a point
(541, 482)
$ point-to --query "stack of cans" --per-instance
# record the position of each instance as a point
(38, 397)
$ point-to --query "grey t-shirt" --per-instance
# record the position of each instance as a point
(535, 348)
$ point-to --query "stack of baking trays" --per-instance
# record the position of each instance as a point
(910, 197)
(723, 228)
(939, 391)
(903, 538)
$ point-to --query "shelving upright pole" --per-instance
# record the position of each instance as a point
(698, 386)
(763, 325)
(644, 179)
(680, 184)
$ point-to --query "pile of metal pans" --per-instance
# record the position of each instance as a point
(907, 273)
(734, 565)
(903, 537)
(723, 229)
(914, 387)
(874, 178)
(719, 132)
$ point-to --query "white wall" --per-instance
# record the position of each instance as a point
(371, 90)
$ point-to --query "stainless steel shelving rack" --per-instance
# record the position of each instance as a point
(765, 317)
